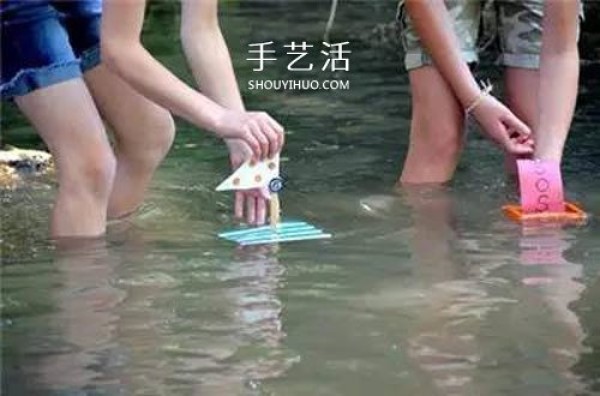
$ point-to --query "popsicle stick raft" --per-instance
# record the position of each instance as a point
(284, 232)
(542, 196)
(265, 174)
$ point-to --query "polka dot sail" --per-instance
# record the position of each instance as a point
(259, 175)
(252, 175)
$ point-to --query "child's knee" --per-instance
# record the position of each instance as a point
(163, 132)
(157, 133)
(92, 174)
(449, 144)
(99, 173)
(437, 142)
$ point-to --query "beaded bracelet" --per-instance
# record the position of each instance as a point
(486, 89)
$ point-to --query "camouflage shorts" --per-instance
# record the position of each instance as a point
(516, 25)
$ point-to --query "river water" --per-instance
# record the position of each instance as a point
(424, 291)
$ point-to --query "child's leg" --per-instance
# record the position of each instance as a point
(437, 119)
(521, 46)
(521, 86)
(521, 96)
(65, 117)
(436, 130)
(40, 70)
(143, 133)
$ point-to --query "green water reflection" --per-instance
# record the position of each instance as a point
(421, 292)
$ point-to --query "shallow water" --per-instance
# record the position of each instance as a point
(423, 292)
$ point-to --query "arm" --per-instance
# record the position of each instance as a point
(123, 52)
(209, 59)
(210, 62)
(207, 53)
(559, 73)
(434, 27)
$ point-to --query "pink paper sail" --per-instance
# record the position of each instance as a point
(541, 186)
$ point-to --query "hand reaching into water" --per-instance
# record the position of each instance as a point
(261, 133)
(503, 127)
(252, 203)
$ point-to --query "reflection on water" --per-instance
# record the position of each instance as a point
(181, 324)
(461, 299)
(428, 291)
(202, 325)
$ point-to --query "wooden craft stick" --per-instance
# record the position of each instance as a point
(275, 210)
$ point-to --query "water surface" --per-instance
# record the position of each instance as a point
(424, 292)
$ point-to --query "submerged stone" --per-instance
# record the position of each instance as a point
(15, 163)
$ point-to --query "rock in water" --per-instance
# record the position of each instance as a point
(16, 163)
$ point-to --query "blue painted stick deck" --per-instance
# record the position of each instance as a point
(284, 232)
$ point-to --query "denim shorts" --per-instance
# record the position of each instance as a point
(45, 42)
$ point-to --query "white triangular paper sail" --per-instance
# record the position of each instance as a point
(252, 175)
